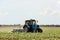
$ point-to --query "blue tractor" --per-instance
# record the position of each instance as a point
(31, 26)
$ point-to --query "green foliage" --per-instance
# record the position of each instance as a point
(48, 34)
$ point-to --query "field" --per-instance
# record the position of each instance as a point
(49, 33)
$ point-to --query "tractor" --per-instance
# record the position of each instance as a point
(31, 26)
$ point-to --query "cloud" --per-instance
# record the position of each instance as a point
(58, 2)
(6, 13)
(44, 12)
(56, 12)
(3, 14)
(50, 12)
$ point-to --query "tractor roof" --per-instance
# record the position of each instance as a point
(30, 20)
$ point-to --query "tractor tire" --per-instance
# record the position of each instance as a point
(25, 28)
(40, 30)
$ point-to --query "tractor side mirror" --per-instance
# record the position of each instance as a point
(37, 21)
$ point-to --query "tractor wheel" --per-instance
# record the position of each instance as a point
(25, 28)
(40, 30)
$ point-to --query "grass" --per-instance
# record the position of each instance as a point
(49, 33)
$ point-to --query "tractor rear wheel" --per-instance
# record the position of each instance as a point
(40, 30)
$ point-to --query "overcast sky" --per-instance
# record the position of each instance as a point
(17, 11)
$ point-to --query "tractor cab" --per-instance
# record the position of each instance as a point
(30, 22)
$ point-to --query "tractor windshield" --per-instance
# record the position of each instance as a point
(34, 22)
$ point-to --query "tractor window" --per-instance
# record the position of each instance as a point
(34, 22)
(27, 23)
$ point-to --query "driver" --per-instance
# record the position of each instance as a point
(34, 26)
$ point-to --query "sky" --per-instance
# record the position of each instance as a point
(17, 11)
